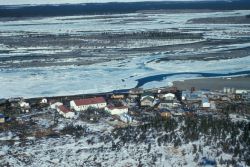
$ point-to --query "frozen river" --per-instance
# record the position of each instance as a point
(51, 56)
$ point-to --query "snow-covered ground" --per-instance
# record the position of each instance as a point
(102, 145)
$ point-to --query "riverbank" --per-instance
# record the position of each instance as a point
(242, 82)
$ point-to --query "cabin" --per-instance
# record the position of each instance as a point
(65, 112)
(116, 110)
(84, 104)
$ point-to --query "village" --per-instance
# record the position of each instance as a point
(131, 107)
(94, 129)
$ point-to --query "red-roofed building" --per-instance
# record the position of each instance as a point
(64, 111)
(84, 104)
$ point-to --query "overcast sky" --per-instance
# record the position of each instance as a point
(20, 2)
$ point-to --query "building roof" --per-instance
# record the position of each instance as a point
(113, 107)
(148, 98)
(1, 116)
(147, 94)
(63, 109)
(89, 101)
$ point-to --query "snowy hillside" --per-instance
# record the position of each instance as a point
(183, 141)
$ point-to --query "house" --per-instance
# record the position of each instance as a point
(147, 94)
(193, 95)
(84, 104)
(165, 114)
(117, 110)
(205, 103)
(54, 105)
(117, 96)
(24, 106)
(65, 112)
(136, 91)
(147, 101)
(168, 96)
(166, 104)
(126, 118)
(2, 118)
(16, 99)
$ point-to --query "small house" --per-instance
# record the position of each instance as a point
(166, 104)
(117, 96)
(147, 101)
(67, 113)
(136, 91)
(193, 95)
(168, 96)
(117, 110)
(147, 94)
(84, 104)
(24, 106)
(205, 103)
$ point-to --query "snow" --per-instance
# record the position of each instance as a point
(120, 73)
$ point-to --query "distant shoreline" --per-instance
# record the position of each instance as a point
(240, 82)
(114, 8)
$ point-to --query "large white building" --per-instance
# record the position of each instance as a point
(117, 110)
(84, 104)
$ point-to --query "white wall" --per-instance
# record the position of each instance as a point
(85, 107)
(117, 111)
